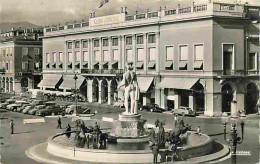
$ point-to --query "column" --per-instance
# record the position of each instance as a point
(101, 54)
(5, 85)
(157, 91)
(99, 92)
(163, 99)
(74, 56)
(109, 93)
(134, 50)
(240, 101)
(81, 56)
(145, 53)
(110, 51)
(157, 66)
(192, 102)
(90, 90)
(122, 55)
(92, 53)
(177, 99)
(65, 59)
(89, 53)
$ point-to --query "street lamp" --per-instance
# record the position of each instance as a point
(234, 140)
(76, 97)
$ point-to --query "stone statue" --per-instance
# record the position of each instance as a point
(132, 90)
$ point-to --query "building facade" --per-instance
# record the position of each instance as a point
(20, 60)
(201, 56)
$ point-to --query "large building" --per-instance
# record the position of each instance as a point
(201, 56)
(20, 59)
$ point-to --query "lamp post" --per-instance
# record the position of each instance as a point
(76, 97)
(233, 139)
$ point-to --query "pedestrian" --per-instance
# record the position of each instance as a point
(59, 123)
(155, 149)
(68, 131)
(12, 126)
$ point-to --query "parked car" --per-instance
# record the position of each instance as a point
(20, 109)
(183, 111)
(152, 108)
(7, 102)
(80, 110)
(120, 104)
(27, 108)
(49, 110)
(35, 109)
(15, 105)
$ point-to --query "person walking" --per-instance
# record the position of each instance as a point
(68, 131)
(155, 149)
(59, 123)
(12, 126)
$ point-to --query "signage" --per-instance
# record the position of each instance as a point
(105, 20)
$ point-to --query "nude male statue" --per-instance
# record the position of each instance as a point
(132, 90)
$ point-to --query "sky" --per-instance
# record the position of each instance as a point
(48, 12)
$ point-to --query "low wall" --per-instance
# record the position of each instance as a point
(118, 156)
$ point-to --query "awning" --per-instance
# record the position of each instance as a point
(69, 82)
(182, 64)
(143, 82)
(178, 83)
(197, 64)
(94, 63)
(113, 62)
(168, 64)
(104, 63)
(50, 80)
(151, 64)
(139, 64)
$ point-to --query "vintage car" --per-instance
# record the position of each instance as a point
(7, 102)
(15, 105)
(120, 104)
(152, 108)
(35, 109)
(183, 111)
(80, 110)
(49, 110)
(27, 108)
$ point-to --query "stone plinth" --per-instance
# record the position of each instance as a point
(128, 126)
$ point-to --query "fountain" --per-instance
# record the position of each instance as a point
(128, 141)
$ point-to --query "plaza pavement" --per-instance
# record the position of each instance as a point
(27, 135)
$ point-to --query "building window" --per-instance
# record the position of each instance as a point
(106, 55)
(61, 56)
(129, 56)
(183, 56)
(85, 44)
(47, 57)
(77, 44)
(105, 42)
(169, 53)
(85, 56)
(128, 40)
(96, 43)
(25, 51)
(140, 55)
(78, 56)
(198, 56)
(114, 41)
(228, 54)
(151, 38)
(7, 66)
(70, 57)
(115, 55)
(54, 57)
(140, 39)
(69, 45)
(152, 54)
(36, 51)
(97, 56)
(252, 61)
(25, 65)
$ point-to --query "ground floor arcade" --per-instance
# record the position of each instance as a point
(205, 95)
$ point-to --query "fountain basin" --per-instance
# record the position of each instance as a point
(127, 156)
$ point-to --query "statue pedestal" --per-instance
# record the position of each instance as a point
(128, 125)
